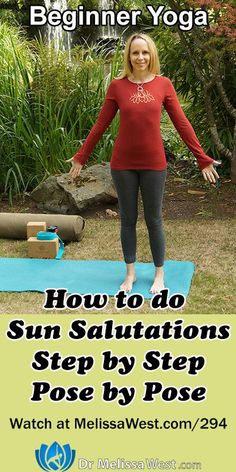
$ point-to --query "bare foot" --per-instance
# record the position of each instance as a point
(158, 283)
(128, 283)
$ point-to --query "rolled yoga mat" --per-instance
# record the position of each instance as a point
(14, 225)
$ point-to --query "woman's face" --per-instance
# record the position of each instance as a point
(139, 55)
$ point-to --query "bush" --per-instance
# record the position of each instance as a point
(48, 106)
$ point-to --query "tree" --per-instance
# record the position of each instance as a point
(208, 50)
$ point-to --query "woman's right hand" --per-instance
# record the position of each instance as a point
(75, 168)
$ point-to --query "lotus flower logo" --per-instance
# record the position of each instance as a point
(55, 457)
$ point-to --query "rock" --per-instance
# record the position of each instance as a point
(60, 194)
(111, 213)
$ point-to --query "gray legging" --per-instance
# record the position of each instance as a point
(152, 184)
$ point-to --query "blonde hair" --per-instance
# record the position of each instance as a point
(154, 66)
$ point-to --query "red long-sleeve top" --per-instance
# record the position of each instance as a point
(139, 143)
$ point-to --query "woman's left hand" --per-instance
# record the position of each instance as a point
(209, 173)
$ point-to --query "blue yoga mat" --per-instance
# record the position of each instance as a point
(36, 275)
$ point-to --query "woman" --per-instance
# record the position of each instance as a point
(138, 158)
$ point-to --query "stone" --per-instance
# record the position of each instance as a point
(62, 194)
(111, 213)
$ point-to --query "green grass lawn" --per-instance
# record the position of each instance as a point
(210, 244)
